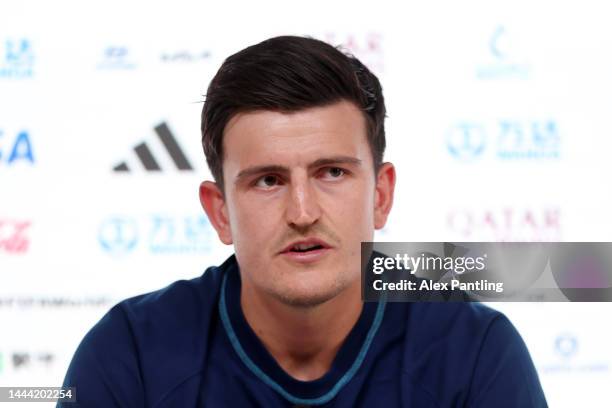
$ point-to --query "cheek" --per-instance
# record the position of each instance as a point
(253, 221)
(353, 211)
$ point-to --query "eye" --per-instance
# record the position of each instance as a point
(333, 172)
(267, 181)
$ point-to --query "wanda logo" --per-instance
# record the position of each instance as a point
(13, 236)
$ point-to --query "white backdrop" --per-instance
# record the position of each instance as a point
(498, 123)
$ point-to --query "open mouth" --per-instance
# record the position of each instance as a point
(307, 251)
(305, 248)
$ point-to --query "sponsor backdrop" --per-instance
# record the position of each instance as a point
(498, 122)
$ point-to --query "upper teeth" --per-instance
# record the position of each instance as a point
(302, 247)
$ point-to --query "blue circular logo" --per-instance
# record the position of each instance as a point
(466, 141)
(118, 235)
(566, 345)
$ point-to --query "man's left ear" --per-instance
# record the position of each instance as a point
(383, 197)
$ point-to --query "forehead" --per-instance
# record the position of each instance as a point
(296, 138)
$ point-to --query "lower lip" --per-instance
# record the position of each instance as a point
(306, 257)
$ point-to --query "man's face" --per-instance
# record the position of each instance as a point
(300, 196)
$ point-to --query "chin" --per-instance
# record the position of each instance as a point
(305, 300)
(310, 296)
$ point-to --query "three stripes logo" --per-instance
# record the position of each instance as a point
(147, 159)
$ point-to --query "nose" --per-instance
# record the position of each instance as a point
(303, 207)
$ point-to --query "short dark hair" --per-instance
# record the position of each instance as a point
(287, 74)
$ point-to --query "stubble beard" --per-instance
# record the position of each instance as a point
(309, 300)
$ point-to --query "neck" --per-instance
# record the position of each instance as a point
(303, 340)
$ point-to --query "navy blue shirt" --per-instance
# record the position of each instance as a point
(189, 345)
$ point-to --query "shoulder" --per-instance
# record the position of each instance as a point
(471, 351)
(169, 319)
(456, 322)
(126, 348)
(177, 306)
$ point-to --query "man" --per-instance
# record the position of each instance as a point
(293, 132)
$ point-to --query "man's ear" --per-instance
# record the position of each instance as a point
(213, 202)
(383, 196)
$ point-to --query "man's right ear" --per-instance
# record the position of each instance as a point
(213, 202)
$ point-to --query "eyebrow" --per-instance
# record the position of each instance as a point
(275, 168)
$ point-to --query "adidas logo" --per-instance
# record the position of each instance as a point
(149, 161)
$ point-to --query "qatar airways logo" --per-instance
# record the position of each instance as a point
(367, 47)
(506, 224)
(14, 236)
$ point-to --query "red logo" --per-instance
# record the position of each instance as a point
(13, 236)
(367, 47)
(506, 224)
